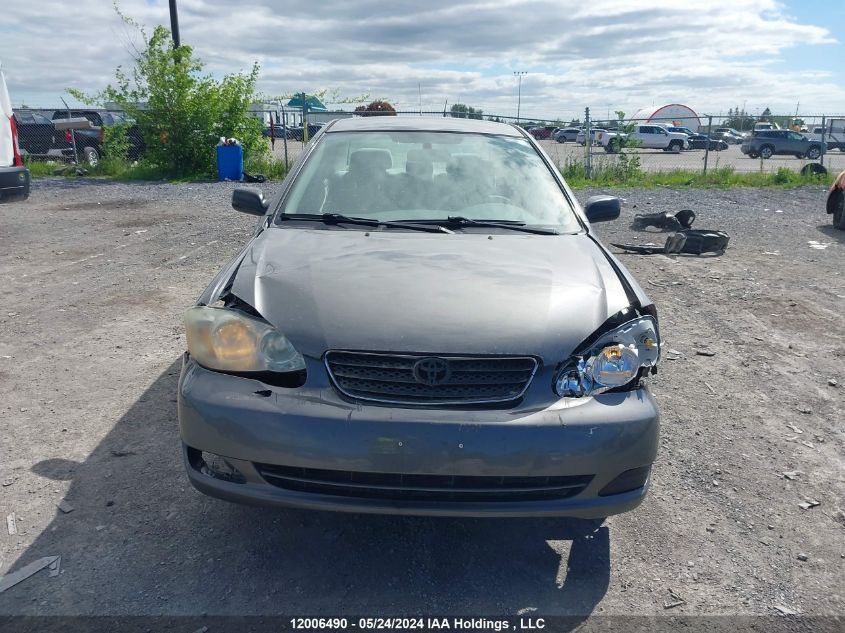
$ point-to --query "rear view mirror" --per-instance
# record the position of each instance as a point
(602, 208)
(249, 200)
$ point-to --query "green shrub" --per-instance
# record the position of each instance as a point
(180, 112)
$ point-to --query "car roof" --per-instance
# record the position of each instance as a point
(421, 124)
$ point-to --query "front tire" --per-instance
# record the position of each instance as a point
(766, 152)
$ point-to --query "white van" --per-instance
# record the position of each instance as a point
(14, 177)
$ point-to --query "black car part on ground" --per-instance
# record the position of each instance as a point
(687, 242)
(836, 207)
(813, 169)
(683, 219)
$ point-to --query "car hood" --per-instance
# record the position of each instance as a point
(466, 293)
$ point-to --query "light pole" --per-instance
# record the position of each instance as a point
(174, 24)
(519, 73)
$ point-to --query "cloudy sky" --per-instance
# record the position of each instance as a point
(606, 54)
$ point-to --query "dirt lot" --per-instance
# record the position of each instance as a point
(97, 276)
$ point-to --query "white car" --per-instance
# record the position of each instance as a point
(581, 138)
(567, 134)
(648, 136)
(14, 177)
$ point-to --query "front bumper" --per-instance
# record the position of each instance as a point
(14, 183)
(312, 429)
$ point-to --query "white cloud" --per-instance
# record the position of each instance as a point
(604, 53)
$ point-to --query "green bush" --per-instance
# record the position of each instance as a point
(116, 141)
(180, 112)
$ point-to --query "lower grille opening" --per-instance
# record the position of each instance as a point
(414, 487)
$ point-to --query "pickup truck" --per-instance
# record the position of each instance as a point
(649, 137)
(834, 134)
(89, 142)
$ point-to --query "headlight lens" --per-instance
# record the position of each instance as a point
(229, 340)
(613, 360)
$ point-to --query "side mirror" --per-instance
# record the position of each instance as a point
(249, 200)
(603, 208)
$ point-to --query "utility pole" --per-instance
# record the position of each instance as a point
(174, 24)
(519, 74)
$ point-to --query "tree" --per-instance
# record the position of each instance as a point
(376, 108)
(180, 112)
(462, 111)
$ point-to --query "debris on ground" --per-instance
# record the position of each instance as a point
(687, 241)
(705, 352)
(675, 600)
(795, 429)
(803, 557)
(784, 610)
(64, 506)
(673, 354)
(809, 503)
(832, 382)
(123, 453)
(10, 580)
(683, 219)
(790, 474)
(11, 524)
(805, 410)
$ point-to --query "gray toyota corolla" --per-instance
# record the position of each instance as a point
(422, 323)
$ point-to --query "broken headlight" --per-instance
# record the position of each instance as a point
(613, 360)
(230, 340)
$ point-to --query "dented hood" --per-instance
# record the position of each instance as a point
(466, 293)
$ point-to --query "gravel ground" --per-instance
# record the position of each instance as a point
(98, 274)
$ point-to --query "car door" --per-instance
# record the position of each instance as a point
(796, 143)
(651, 137)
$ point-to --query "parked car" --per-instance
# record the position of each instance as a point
(767, 143)
(679, 129)
(647, 136)
(36, 134)
(402, 334)
(581, 137)
(14, 177)
(542, 132)
(727, 134)
(295, 132)
(834, 134)
(702, 141)
(91, 147)
(566, 134)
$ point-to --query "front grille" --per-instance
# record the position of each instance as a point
(396, 486)
(393, 379)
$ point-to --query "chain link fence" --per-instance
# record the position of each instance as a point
(656, 145)
(613, 146)
(83, 136)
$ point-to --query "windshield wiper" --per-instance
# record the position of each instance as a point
(456, 221)
(338, 218)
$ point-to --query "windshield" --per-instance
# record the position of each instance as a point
(427, 176)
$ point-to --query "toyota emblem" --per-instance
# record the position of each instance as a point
(432, 371)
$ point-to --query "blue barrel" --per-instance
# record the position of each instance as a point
(230, 162)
